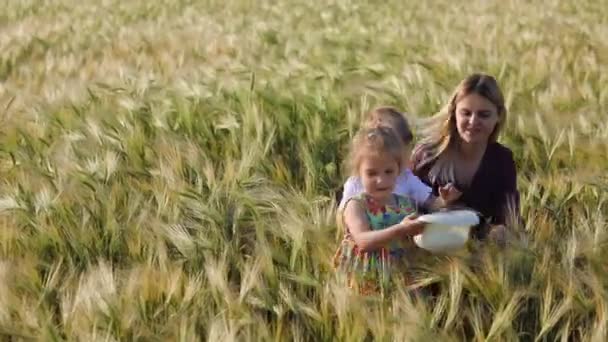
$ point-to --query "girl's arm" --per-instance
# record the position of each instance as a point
(411, 186)
(367, 239)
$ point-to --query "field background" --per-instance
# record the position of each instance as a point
(168, 168)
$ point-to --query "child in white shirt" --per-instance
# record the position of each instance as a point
(407, 183)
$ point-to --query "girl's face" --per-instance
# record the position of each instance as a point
(476, 118)
(378, 174)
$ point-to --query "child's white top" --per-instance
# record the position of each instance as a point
(407, 184)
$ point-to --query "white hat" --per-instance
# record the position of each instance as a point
(446, 231)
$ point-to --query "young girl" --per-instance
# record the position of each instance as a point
(377, 222)
(407, 184)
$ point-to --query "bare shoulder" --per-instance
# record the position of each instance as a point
(355, 217)
(354, 206)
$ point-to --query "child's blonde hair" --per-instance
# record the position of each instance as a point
(375, 140)
(390, 117)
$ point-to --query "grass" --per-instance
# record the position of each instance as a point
(168, 168)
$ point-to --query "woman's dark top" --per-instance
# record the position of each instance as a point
(493, 188)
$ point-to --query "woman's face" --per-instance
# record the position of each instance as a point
(476, 118)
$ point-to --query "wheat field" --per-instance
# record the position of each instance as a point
(168, 169)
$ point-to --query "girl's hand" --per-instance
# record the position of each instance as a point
(411, 226)
(449, 193)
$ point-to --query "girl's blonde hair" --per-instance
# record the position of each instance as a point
(393, 118)
(440, 132)
(375, 140)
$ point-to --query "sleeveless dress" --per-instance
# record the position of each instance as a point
(370, 272)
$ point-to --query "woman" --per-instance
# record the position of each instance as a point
(460, 147)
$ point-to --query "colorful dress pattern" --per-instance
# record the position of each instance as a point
(369, 272)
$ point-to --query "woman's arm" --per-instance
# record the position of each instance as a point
(367, 239)
(507, 204)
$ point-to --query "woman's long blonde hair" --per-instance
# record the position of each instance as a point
(440, 135)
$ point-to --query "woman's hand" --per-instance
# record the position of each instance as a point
(498, 234)
(449, 193)
(411, 226)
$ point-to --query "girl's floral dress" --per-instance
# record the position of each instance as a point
(370, 272)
